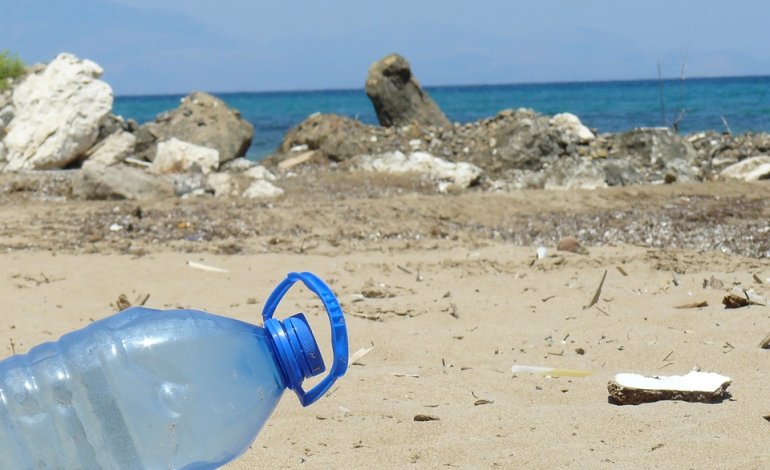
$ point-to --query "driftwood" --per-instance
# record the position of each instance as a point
(634, 389)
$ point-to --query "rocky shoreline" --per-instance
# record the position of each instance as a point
(59, 117)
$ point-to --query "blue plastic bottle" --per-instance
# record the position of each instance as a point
(150, 389)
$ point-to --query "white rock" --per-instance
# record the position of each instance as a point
(749, 169)
(569, 124)
(223, 184)
(262, 188)
(259, 172)
(237, 165)
(176, 156)
(446, 174)
(57, 114)
(114, 149)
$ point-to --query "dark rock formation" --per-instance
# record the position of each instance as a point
(397, 96)
(201, 119)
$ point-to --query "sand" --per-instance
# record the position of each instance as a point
(447, 316)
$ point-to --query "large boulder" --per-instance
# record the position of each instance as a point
(96, 180)
(398, 98)
(57, 113)
(337, 138)
(200, 119)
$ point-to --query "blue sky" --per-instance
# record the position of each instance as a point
(177, 46)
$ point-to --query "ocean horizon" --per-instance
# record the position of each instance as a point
(738, 104)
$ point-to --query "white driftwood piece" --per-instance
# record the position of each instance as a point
(633, 389)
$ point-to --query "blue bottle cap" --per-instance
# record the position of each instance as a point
(295, 345)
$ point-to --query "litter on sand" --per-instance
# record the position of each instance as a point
(549, 371)
(356, 356)
(696, 386)
(205, 267)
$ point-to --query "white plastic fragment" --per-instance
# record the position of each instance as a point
(205, 267)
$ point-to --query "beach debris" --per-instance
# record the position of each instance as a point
(765, 343)
(757, 279)
(714, 283)
(572, 245)
(122, 303)
(205, 267)
(482, 401)
(542, 252)
(422, 417)
(742, 298)
(549, 371)
(699, 304)
(597, 293)
(356, 356)
(291, 162)
(695, 386)
(404, 269)
(401, 374)
(621, 270)
(767, 417)
(453, 310)
(373, 290)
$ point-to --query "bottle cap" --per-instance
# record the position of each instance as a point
(295, 345)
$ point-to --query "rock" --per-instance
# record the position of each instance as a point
(192, 184)
(262, 188)
(203, 120)
(620, 173)
(750, 169)
(660, 151)
(397, 97)
(112, 124)
(57, 114)
(176, 156)
(223, 184)
(570, 127)
(114, 149)
(446, 174)
(337, 138)
(98, 181)
(572, 245)
(259, 172)
(525, 139)
(574, 173)
(237, 165)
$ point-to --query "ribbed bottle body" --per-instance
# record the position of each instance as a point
(141, 389)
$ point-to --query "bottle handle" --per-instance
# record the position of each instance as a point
(339, 331)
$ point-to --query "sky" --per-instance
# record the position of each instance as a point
(179, 46)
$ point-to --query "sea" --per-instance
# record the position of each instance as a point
(734, 104)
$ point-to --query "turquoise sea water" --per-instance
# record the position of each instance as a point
(610, 106)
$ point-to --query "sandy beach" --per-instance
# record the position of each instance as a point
(449, 293)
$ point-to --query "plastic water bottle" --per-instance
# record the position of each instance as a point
(150, 389)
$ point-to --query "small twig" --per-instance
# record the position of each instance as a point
(765, 344)
(727, 126)
(404, 269)
(598, 292)
(599, 309)
(13, 346)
